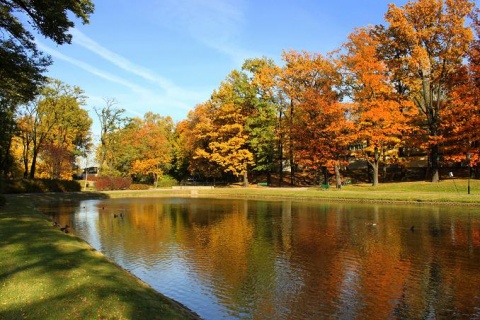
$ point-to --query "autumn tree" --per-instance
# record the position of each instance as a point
(145, 151)
(462, 114)
(261, 124)
(182, 150)
(380, 116)
(268, 79)
(317, 127)
(192, 135)
(111, 120)
(424, 43)
(52, 128)
(289, 83)
(228, 110)
(22, 65)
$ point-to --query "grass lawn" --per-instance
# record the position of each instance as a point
(48, 274)
(443, 192)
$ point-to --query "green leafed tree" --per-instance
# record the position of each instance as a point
(22, 65)
(261, 124)
(111, 120)
(51, 129)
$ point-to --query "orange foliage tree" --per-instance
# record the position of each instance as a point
(380, 116)
(318, 126)
(145, 151)
(462, 114)
(426, 41)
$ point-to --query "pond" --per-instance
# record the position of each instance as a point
(250, 259)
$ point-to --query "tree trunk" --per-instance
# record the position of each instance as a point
(25, 167)
(375, 165)
(435, 163)
(338, 178)
(325, 175)
(292, 166)
(280, 150)
(33, 166)
(245, 179)
(375, 173)
(280, 157)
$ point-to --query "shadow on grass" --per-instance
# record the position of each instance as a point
(47, 274)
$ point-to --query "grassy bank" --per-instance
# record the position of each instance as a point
(443, 192)
(47, 274)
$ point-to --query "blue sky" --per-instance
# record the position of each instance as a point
(166, 56)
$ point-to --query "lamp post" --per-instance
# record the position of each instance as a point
(469, 172)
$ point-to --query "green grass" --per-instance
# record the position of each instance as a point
(446, 191)
(47, 274)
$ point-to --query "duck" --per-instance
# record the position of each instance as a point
(65, 229)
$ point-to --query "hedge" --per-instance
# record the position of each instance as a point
(41, 186)
(112, 183)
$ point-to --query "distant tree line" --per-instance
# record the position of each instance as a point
(408, 87)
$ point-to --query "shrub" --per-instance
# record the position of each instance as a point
(139, 186)
(112, 183)
(166, 182)
(41, 186)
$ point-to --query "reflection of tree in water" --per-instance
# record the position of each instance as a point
(302, 259)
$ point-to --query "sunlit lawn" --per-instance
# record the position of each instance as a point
(446, 191)
(452, 191)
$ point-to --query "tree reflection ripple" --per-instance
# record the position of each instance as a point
(245, 259)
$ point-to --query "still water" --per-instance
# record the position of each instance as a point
(248, 259)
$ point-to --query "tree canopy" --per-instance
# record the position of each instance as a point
(22, 65)
(400, 94)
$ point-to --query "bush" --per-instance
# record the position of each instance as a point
(139, 186)
(112, 183)
(41, 186)
(166, 182)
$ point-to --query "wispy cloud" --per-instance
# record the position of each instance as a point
(217, 24)
(144, 93)
(170, 88)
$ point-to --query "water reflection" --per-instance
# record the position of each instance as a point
(245, 259)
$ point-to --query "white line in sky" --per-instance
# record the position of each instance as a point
(125, 64)
(105, 75)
